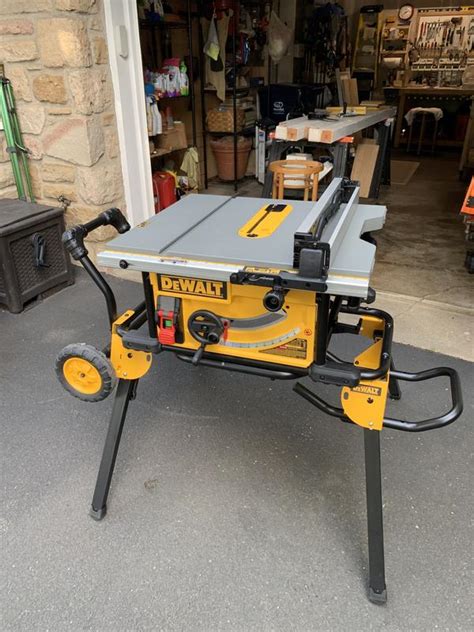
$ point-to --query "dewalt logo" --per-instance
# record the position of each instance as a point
(367, 390)
(197, 287)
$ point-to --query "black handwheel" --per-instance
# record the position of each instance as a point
(85, 372)
(205, 327)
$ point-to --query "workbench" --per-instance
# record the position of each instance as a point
(425, 96)
(257, 287)
(333, 136)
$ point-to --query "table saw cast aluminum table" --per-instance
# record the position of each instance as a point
(254, 286)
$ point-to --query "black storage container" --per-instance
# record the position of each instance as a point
(288, 98)
(32, 257)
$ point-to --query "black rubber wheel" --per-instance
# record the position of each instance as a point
(85, 372)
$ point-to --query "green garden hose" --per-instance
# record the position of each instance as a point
(15, 147)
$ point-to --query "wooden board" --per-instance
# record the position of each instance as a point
(297, 132)
(351, 109)
(350, 92)
(322, 131)
(295, 129)
(281, 131)
(372, 104)
(340, 98)
(364, 166)
(353, 92)
(332, 131)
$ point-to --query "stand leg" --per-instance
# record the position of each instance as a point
(373, 480)
(125, 392)
(382, 169)
(340, 152)
(276, 151)
(387, 167)
(394, 385)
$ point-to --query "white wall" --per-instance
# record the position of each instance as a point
(126, 67)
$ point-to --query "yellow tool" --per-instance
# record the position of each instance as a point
(258, 288)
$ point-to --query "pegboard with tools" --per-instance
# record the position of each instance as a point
(443, 46)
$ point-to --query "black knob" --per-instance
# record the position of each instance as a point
(123, 264)
(371, 296)
(213, 337)
(273, 300)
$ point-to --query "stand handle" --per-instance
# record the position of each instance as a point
(435, 422)
(73, 238)
(398, 424)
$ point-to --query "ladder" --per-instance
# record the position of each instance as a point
(366, 50)
(15, 147)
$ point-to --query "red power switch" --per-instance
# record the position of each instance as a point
(167, 328)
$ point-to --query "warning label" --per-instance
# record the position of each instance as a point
(295, 348)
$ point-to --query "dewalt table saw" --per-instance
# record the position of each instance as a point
(255, 286)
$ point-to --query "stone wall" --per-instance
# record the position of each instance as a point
(55, 54)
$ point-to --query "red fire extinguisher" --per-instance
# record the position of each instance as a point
(164, 190)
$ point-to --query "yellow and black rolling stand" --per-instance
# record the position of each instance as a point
(227, 310)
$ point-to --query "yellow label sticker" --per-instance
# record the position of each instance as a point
(189, 285)
(265, 222)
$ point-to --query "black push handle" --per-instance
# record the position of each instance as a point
(435, 422)
(113, 217)
(73, 238)
(398, 424)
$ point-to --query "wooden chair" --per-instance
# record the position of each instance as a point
(295, 174)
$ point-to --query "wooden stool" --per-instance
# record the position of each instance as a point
(295, 174)
(423, 116)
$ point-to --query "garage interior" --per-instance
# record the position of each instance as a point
(234, 504)
(423, 235)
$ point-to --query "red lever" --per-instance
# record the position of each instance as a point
(167, 330)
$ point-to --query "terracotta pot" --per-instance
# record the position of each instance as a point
(224, 155)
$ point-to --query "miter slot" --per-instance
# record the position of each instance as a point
(192, 226)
